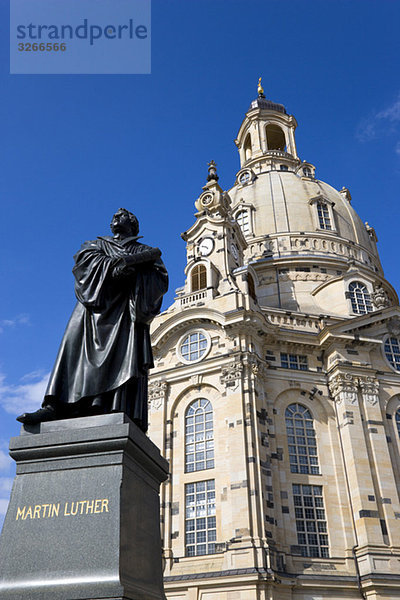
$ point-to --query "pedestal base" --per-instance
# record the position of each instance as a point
(83, 521)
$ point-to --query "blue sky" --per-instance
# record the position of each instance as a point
(73, 149)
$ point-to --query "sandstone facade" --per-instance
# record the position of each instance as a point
(276, 391)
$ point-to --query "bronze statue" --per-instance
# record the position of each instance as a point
(104, 358)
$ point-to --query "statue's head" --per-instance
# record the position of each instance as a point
(123, 219)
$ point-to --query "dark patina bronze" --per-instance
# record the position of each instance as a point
(105, 355)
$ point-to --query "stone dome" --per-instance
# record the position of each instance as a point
(306, 245)
(285, 202)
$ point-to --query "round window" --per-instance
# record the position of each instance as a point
(206, 199)
(391, 348)
(245, 177)
(194, 346)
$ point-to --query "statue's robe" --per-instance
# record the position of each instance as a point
(105, 353)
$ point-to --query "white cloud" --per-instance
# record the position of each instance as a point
(392, 113)
(5, 461)
(5, 481)
(381, 123)
(25, 396)
(3, 506)
(22, 319)
(6, 485)
(33, 375)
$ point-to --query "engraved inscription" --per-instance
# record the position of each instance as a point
(69, 509)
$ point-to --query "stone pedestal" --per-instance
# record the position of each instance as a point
(83, 521)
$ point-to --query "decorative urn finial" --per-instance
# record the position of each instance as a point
(260, 89)
(212, 171)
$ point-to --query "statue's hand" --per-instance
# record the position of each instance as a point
(121, 270)
(146, 256)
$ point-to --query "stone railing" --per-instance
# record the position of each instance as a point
(193, 298)
(279, 153)
(295, 321)
(309, 245)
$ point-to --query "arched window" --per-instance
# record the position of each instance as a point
(391, 347)
(307, 172)
(398, 421)
(275, 138)
(302, 444)
(199, 278)
(324, 216)
(360, 298)
(199, 436)
(247, 147)
(242, 219)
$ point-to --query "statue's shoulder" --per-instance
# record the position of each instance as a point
(87, 246)
(142, 247)
(91, 244)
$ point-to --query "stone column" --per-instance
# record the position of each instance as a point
(158, 391)
(83, 520)
(344, 389)
(386, 489)
(292, 143)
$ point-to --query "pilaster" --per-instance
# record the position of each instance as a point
(344, 389)
(385, 485)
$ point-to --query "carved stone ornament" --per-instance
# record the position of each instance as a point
(343, 387)
(371, 232)
(370, 389)
(291, 276)
(345, 193)
(394, 326)
(157, 392)
(196, 379)
(231, 374)
(380, 297)
(258, 368)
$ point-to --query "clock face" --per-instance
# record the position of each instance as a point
(206, 246)
(234, 251)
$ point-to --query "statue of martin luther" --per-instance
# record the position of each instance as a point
(105, 355)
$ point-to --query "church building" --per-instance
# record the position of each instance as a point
(275, 395)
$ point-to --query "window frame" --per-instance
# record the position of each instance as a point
(324, 217)
(350, 294)
(303, 454)
(197, 519)
(183, 338)
(293, 359)
(384, 341)
(249, 180)
(396, 421)
(322, 201)
(245, 207)
(310, 518)
(245, 212)
(198, 266)
(205, 431)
